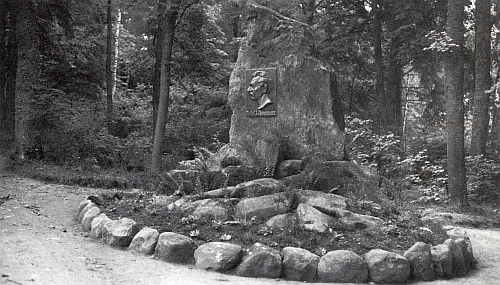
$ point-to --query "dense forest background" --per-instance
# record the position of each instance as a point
(82, 83)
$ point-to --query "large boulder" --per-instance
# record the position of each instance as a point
(119, 233)
(217, 256)
(144, 241)
(209, 213)
(300, 264)
(419, 256)
(342, 266)
(175, 248)
(305, 113)
(387, 267)
(261, 261)
(265, 206)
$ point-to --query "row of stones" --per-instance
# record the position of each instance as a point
(452, 258)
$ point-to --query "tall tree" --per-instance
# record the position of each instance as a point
(10, 77)
(159, 36)
(379, 60)
(110, 55)
(27, 75)
(480, 120)
(3, 104)
(454, 84)
(168, 22)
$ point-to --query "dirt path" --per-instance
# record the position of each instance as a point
(41, 244)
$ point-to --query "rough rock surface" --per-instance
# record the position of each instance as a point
(261, 261)
(289, 167)
(175, 248)
(258, 187)
(305, 89)
(144, 241)
(120, 233)
(442, 261)
(264, 207)
(218, 256)
(457, 257)
(358, 221)
(330, 204)
(387, 267)
(91, 214)
(300, 264)
(460, 236)
(419, 256)
(97, 226)
(84, 210)
(239, 174)
(342, 266)
(211, 213)
(286, 221)
(313, 220)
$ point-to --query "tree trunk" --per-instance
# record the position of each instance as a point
(480, 120)
(454, 80)
(10, 80)
(109, 72)
(3, 103)
(379, 62)
(114, 65)
(394, 92)
(157, 67)
(168, 25)
(27, 76)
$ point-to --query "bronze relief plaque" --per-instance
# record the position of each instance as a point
(260, 88)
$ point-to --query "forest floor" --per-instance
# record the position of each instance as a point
(42, 244)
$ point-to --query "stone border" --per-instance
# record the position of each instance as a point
(452, 258)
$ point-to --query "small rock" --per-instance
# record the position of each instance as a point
(300, 264)
(91, 214)
(312, 219)
(358, 221)
(424, 234)
(144, 241)
(84, 211)
(342, 266)
(82, 205)
(262, 261)
(97, 226)
(289, 167)
(258, 187)
(120, 233)
(460, 236)
(264, 207)
(175, 248)
(284, 222)
(387, 267)
(419, 256)
(218, 256)
(442, 261)
(457, 258)
(330, 204)
(211, 213)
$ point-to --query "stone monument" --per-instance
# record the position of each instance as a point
(284, 101)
